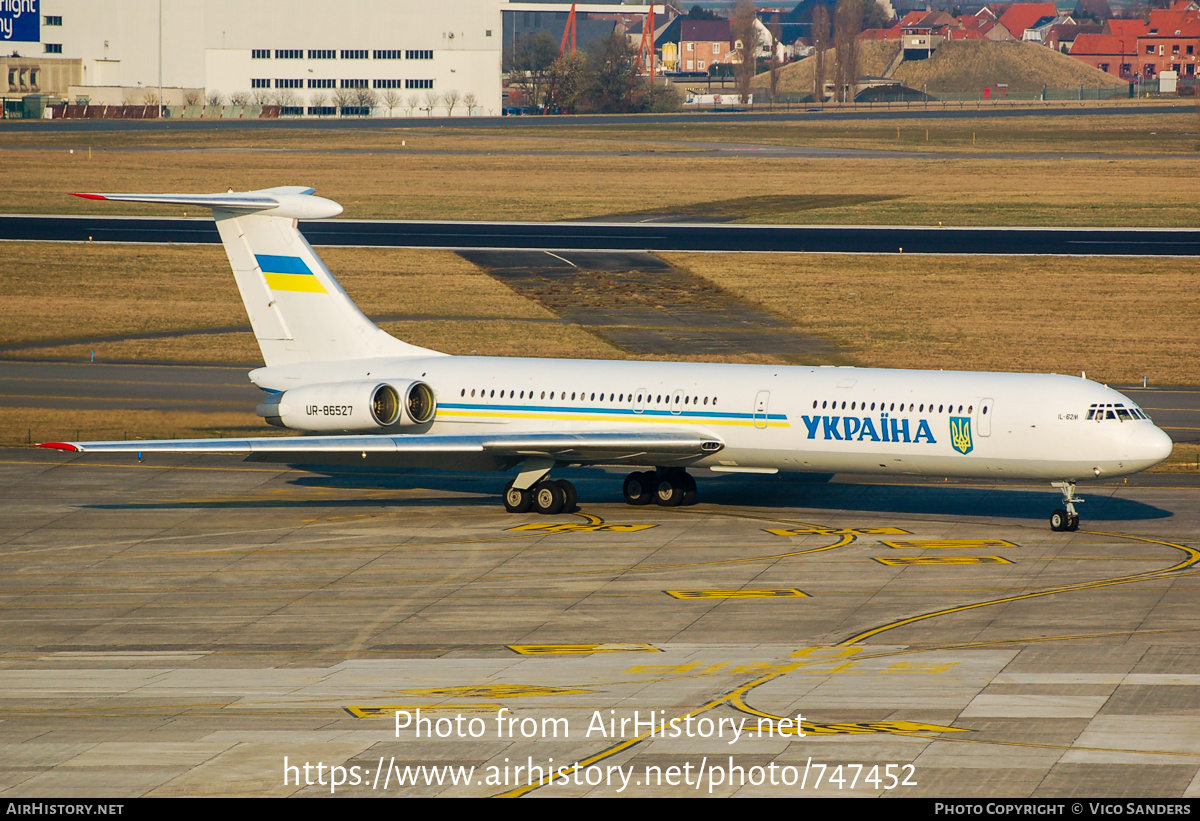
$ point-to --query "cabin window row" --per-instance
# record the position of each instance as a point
(584, 396)
(884, 406)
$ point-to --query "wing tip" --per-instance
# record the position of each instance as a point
(67, 446)
(88, 196)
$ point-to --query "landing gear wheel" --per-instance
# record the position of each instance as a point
(638, 488)
(548, 498)
(689, 489)
(1066, 517)
(669, 490)
(1059, 520)
(517, 501)
(569, 493)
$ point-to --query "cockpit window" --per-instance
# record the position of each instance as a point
(1118, 411)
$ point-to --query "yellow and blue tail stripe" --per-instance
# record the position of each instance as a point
(286, 273)
(464, 410)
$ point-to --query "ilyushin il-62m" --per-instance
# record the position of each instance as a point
(362, 396)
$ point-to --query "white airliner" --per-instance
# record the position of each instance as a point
(365, 397)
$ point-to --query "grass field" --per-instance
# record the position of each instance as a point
(1085, 192)
(1116, 319)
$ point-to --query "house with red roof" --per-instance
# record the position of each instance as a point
(1169, 44)
(1022, 16)
(1106, 52)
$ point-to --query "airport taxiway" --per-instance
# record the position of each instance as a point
(180, 626)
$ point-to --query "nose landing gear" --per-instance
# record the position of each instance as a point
(1065, 518)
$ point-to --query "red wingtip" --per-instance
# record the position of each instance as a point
(60, 446)
(90, 196)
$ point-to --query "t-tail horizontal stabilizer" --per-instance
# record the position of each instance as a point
(298, 310)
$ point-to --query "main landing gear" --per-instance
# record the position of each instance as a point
(549, 496)
(533, 489)
(1066, 519)
(667, 488)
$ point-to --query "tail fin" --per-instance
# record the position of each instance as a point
(298, 310)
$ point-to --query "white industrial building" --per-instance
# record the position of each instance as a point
(300, 53)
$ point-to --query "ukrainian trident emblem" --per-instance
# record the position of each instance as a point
(960, 434)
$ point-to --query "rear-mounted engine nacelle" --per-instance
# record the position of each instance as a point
(351, 406)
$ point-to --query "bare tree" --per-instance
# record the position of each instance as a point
(193, 96)
(450, 99)
(431, 101)
(391, 98)
(745, 37)
(214, 97)
(411, 102)
(260, 97)
(366, 99)
(820, 39)
(150, 97)
(238, 98)
(317, 100)
(530, 64)
(343, 98)
(848, 17)
(286, 98)
(129, 96)
(471, 102)
(776, 60)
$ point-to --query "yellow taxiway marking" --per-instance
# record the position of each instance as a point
(941, 544)
(941, 560)
(844, 727)
(766, 593)
(816, 530)
(736, 697)
(389, 710)
(578, 649)
(1192, 556)
(499, 691)
(594, 524)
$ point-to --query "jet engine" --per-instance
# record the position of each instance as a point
(351, 406)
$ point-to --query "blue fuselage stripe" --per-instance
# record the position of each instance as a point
(609, 411)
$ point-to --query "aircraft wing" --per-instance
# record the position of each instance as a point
(466, 452)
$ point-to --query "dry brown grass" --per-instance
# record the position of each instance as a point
(1152, 192)
(1116, 319)
(1184, 458)
(20, 426)
(54, 291)
(236, 348)
(536, 339)
(971, 65)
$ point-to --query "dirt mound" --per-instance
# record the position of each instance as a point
(963, 65)
(972, 65)
(874, 56)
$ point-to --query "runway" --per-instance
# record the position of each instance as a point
(195, 626)
(645, 236)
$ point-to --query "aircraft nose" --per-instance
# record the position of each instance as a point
(1147, 446)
